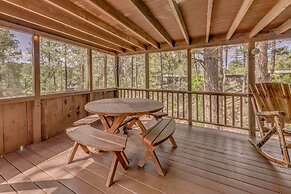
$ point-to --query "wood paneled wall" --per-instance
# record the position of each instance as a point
(58, 112)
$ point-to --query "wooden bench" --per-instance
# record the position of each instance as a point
(155, 135)
(159, 115)
(89, 120)
(86, 135)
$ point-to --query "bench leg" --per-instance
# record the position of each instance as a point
(173, 141)
(73, 152)
(144, 160)
(121, 160)
(125, 158)
(155, 160)
(112, 171)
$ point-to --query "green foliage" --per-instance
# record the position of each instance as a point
(198, 82)
(168, 70)
(132, 71)
(283, 65)
(63, 67)
(15, 76)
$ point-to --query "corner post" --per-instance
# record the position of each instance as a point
(189, 78)
(90, 72)
(36, 135)
(147, 74)
(251, 80)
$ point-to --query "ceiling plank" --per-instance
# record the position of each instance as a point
(92, 19)
(209, 13)
(46, 9)
(280, 6)
(238, 18)
(283, 27)
(178, 15)
(35, 19)
(141, 6)
(108, 9)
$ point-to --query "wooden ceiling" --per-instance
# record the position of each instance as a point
(137, 26)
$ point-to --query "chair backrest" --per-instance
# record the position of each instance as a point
(273, 97)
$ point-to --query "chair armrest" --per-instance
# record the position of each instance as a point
(271, 113)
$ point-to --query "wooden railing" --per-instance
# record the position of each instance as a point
(212, 108)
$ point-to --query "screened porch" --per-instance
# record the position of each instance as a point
(197, 58)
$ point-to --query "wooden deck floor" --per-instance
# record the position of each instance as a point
(206, 161)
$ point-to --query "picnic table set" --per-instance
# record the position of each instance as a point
(122, 113)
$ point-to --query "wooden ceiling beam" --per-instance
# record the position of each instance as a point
(45, 9)
(92, 19)
(179, 18)
(278, 8)
(209, 14)
(20, 14)
(238, 18)
(218, 40)
(118, 16)
(15, 24)
(283, 27)
(141, 6)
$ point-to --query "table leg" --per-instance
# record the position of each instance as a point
(116, 122)
(141, 126)
(104, 121)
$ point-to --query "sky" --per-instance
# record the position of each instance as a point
(25, 41)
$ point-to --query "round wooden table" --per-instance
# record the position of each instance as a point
(119, 108)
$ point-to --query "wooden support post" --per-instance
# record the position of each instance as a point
(90, 74)
(251, 79)
(117, 74)
(147, 74)
(105, 71)
(36, 134)
(189, 78)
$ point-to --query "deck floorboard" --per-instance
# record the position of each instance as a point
(206, 161)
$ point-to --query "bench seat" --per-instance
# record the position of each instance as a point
(159, 115)
(87, 120)
(86, 135)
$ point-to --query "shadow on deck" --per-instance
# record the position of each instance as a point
(206, 161)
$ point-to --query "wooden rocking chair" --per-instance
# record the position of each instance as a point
(272, 106)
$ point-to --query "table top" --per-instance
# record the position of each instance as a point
(121, 106)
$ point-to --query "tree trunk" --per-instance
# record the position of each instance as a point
(273, 59)
(262, 74)
(225, 66)
(131, 72)
(220, 82)
(136, 75)
(105, 71)
(244, 89)
(162, 73)
(211, 69)
(66, 69)
(211, 80)
(1, 81)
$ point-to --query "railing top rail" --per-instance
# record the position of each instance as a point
(190, 92)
